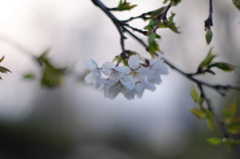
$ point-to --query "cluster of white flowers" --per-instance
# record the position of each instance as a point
(130, 81)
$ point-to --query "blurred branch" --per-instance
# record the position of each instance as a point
(17, 46)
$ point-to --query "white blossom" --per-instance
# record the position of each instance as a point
(129, 80)
(156, 67)
(137, 72)
(94, 77)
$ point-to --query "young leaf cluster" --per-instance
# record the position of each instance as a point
(207, 64)
(124, 5)
(231, 122)
(159, 20)
(50, 75)
(232, 125)
(201, 112)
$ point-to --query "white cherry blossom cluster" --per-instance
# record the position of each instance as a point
(129, 80)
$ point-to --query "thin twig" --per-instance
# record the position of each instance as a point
(208, 23)
(162, 16)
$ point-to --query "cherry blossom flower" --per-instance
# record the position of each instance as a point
(156, 67)
(137, 72)
(129, 80)
(116, 74)
(94, 77)
(114, 90)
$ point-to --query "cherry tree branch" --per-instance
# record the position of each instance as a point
(221, 89)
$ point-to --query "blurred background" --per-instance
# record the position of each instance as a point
(74, 120)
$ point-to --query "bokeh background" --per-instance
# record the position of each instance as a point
(75, 121)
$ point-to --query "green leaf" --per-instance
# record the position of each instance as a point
(211, 72)
(224, 66)
(51, 76)
(2, 59)
(208, 60)
(198, 113)
(152, 44)
(210, 120)
(151, 25)
(233, 125)
(232, 109)
(169, 24)
(3, 69)
(195, 94)
(174, 2)
(208, 35)
(230, 112)
(156, 12)
(124, 5)
(29, 76)
(230, 143)
(214, 141)
(237, 3)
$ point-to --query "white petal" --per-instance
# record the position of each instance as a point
(101, 80)
(144, 71)
(91, 64)
(106, 71)
(108, 65)
(110, 83)
(97, 73)
(128, 82)
(112, 92)
(150, 86)
(155, 78)
(133, 61)
(139, 87)
(123, 69)
(152, 61)
(90, 78)
(129, 95)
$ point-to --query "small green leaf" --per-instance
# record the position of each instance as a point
(169, 24)
(210, 120)
(230, 143)
(152, 44)
(151, 25)
(237, 3)
(124, 5)
(198, 113)
(208, 35)
(232, 109)
(214, 141)
(233, 125)
(2, 59)
(211, 72)
(224, 66)
(174, 2)
(29, 76)
(156, 12)
(208, 59)
(195, 94)
(4, 70)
